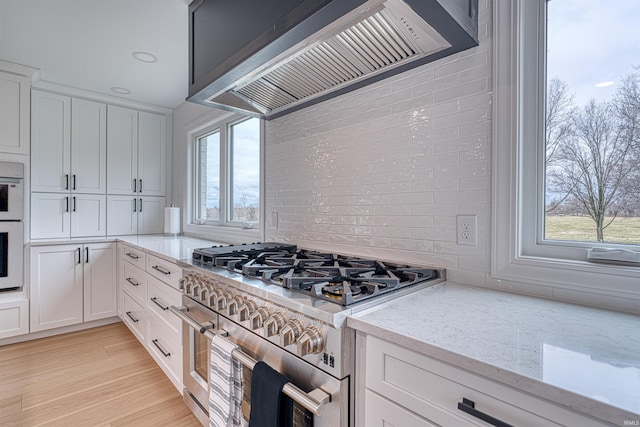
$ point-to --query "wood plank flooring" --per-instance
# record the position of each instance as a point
(96, 377)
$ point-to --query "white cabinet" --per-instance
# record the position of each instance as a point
(134, 215)
(136, 152)
(99, 281)
(14, 318)
(50, 142)
(88, 147)
(14, 114)
(72, 284)
(397, 386)
(148, 288)
(68, 173)
(69, 143)
(56, 286)
(59, 215)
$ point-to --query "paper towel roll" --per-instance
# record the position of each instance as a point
(172, 221)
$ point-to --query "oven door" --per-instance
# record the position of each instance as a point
(11, 199)
(11, 254)
(310, 380)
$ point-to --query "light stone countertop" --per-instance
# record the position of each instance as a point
(584, 358)
(169, 247)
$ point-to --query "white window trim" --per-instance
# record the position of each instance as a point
(229, 232)
(515, 255)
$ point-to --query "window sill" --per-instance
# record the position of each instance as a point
(231, 235)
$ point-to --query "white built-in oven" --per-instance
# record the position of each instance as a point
(11, 225)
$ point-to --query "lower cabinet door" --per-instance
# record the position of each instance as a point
(56, 286)
(14, 318)
(99, 281)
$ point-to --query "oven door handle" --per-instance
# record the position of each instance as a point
(180, 312)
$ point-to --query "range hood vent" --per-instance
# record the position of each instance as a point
(360, 47)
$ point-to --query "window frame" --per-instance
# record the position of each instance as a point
(518, 255)
(222, 230)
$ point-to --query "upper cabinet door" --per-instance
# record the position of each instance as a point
(88, 147)
(50, 142)
(152, 143)
(122, 150)
(14, 114)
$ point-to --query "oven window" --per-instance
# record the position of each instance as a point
(4, 197)
(201, 348)
(4, 254)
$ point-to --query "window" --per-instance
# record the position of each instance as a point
(535, 188)
(227, 187)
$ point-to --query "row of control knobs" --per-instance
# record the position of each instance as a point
(308, 340)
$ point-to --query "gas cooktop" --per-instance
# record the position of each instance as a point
(331, 277)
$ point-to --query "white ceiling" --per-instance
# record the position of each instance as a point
(87, 44)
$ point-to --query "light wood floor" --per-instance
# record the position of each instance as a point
(97, 377)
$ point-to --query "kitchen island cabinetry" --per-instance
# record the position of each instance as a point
(71, 284)
(14, 117)
(148, 288)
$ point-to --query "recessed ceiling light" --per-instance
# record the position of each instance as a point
(605, 84)
(145, 57)
(120, 90)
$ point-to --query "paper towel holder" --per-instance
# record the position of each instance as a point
(172, 221)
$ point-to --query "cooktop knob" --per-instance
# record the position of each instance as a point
(207, 294)
(310, 341)
(273, 324)
(257, 318)
(290, 332)
(233, 305)
(223, 299)
(247, 309)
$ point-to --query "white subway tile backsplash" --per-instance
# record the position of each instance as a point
(384, 170)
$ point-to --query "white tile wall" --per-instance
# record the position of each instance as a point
(383, 171)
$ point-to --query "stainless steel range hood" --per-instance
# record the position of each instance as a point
(309, 54)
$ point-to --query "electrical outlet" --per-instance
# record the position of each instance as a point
(467, 230)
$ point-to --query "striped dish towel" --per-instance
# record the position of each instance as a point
(225, 384)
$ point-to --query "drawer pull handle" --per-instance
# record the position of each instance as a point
(163, 307)
(128, 279)
(469, 406)
(130, 255)
(161, 270)
(133, 319)
(164, 353)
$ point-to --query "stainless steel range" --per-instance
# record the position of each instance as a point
(287, 306)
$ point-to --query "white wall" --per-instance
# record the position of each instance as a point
(384, 170)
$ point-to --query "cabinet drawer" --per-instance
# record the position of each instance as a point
(382, 412)
(134, 317)
(166, 347)
(433, 389)
(159, 298)
(134, 282)
(133, 255)
(164, 270)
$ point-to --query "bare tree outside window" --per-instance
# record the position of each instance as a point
(592, 123)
